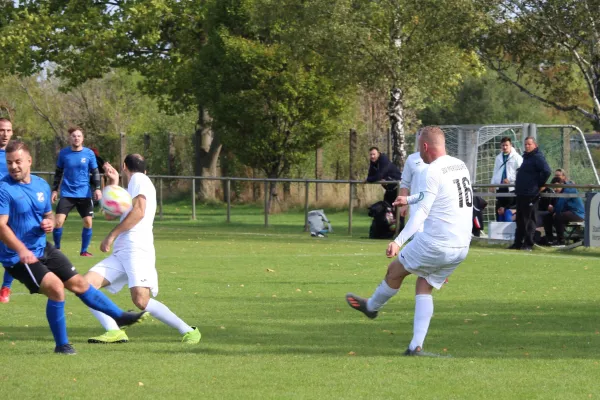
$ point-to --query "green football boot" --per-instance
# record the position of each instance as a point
(113, 336)
(192, 337)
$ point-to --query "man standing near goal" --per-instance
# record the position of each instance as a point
(444, 207)
(74, 166)
(133, 259)
(25, 218)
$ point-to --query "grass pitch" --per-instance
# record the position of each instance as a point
(270, 305)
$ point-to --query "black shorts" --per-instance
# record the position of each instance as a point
(53, 260)
(85, 206)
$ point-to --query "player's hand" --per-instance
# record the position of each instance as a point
(505, 181)
(111, 173)
(106, 244)
(400, 201)
(54, 196)
(403, 211)
(97, 194)
(392, 250)
(550, 208)
(27, 257)
(47, 225)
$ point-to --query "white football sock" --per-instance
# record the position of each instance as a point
(107, 322)
(423, 314)
(382, 294)
(162, 313)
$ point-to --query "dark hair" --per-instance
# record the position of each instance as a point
(374, 148)
(2, 119)
(135, 163)
(506, 139)
(75, 128)
(531, 138)
(16, 145)
(556, 179)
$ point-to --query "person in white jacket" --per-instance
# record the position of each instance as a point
(505, 172)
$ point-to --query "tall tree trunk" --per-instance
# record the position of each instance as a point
(318, 172)
(207, 148)
(287, 186)
(396, 114)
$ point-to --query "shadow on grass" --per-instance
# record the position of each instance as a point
(313, 327)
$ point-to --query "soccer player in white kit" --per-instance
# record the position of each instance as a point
(133, 259)
(445, 208)
(413, 169)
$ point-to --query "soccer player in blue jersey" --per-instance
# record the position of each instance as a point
(74, 165)
(25, 218)
(5, 135)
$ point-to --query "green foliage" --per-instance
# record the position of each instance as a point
(270, 105)
(486, 99)
(553, 45)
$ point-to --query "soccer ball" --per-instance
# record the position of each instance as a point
(115, 200)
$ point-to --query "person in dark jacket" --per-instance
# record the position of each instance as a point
(564, 210)
(382, 169)
(531, 178)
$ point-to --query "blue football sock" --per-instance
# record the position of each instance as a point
(86, 238)
(93, 298)
(55, 312)
(57, 235)
(8, 279)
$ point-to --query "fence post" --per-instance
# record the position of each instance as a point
(228, 183)
(267, 194)
(160, 198)
(193, 199)
(350, 207)
(306, 187)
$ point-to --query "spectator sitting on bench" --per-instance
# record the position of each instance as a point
(506, 214)
(562, 174)
(564, 211)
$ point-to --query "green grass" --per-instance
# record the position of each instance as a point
(270, 305)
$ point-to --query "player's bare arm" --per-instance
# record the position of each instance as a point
(136, 214)
(8, 237)
(47, 223)
(111, 173)
(403, 209)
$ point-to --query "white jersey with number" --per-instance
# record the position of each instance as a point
(447, 183)
(141, 235)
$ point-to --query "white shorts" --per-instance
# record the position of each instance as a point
(136, 268)
(434, 263)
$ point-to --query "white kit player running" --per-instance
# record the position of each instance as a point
(133, 259)
(444, 207)
(413, 170)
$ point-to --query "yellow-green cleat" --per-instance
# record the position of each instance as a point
(113, 336)
(192, 337)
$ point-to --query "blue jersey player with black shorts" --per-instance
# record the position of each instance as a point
(74, 166)
(5, 135)
(25, 219)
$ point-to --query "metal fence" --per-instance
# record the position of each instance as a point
(483, 191)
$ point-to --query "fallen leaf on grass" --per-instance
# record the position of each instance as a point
(352, 353)
(270, 270)
(298, 290)
(140, 384)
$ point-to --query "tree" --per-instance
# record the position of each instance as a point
(549, 49)
(85, 39)
(415, 49)
(486, 99)
(270, 105)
